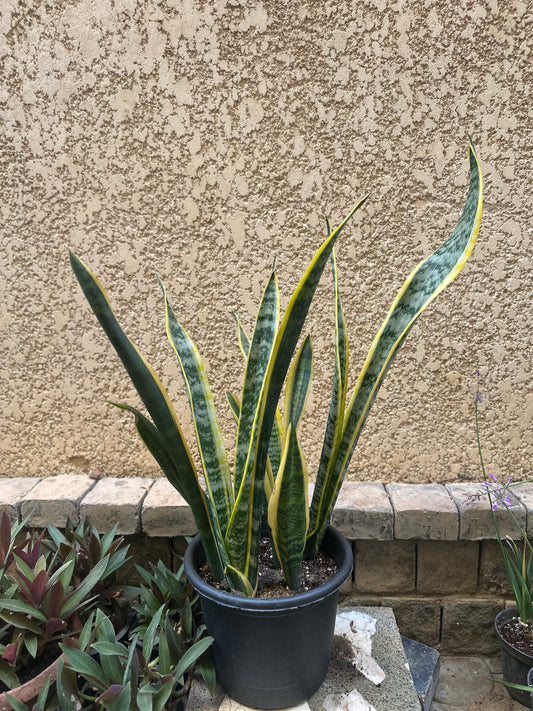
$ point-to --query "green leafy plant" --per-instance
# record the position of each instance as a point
(103, 673)
(167, 596)
(268, 458)
(47, 586)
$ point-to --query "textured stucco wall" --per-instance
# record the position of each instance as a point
(200, 139)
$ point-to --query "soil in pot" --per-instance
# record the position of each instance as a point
(518, 635)
(271, 584)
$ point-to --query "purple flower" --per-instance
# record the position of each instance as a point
(497, 492)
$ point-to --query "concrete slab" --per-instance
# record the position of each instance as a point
(396, 692)
(56, 500)
(12, 491)
(423, 511)
(363, 511)
(475, 516)
(114, 500)
(165, 512)
(344, 686)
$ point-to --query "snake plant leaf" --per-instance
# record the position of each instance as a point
(422, 286)
(259, 351)
(298, 384)
(195, 497)
(244, 341)
(246, 517)
(210, 443)
(335, 422)
(288, 514)
(274, 447)
(238, 581)
(143, 377)
(150, 390)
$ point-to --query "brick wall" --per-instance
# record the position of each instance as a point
(421, 549)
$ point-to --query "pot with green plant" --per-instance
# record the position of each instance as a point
(514, 625)
(49, 582)
(267, 486)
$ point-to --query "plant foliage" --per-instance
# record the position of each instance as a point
(268, 458)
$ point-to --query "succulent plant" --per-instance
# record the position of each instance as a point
(268, 459)
(48, 583)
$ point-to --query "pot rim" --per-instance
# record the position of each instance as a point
(335, 544)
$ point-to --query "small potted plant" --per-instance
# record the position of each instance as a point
(514, 626)
(270, 654)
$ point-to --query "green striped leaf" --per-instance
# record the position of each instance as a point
(335, 422)
(257, 359)
(150, 391)
(423, 285)
(298, 385)
(288, 515)
(274, 447)
(199, 503)
(244, 529)
(210, 443)
(244, 341)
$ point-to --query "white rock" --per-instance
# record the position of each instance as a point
(347, 702)
(231, 705)
(358, 628)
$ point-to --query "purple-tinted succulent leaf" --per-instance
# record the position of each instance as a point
(38, 587)
(70, 642)
(54, 625)
(11, 650)
(5, 537)
(94, 548)
(55, 599)
(110, 694)
(31, 556)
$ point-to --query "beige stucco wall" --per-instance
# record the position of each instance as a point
(201, 139)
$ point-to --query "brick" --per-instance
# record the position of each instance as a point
(116, 501)
(524, 493)
(363, 511)
(12, 491)
(492, 573)
(468, 627)
(56, 499)
(423, 511)
(447, 567)
(417, 618)
(384, 566)
(143, 551)
(476, 520)
(166, 513)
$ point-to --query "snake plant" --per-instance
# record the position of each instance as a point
(268, 460)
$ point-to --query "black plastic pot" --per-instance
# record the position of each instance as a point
(515, 664)
(272, 653)
(530, 684)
